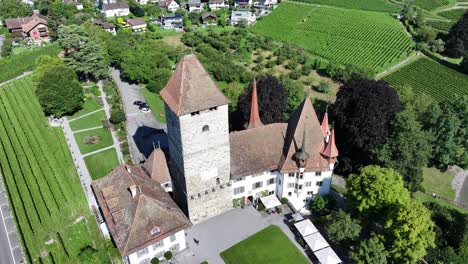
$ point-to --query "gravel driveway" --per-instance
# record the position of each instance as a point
(144, 131)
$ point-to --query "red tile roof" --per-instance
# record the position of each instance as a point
(191, 88)
(331, 151)
(136, 22)
(325, 127)
(156, 166)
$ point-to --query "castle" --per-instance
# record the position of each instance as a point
(210, 166)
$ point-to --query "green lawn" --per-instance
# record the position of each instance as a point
(104, 140)
(438, 182)
(15, 65)
(269, 245)
(156, 104)
(42, 183)
(100, 164)
(427, 198)
(89, 105)
(367, 39)
(92, 120)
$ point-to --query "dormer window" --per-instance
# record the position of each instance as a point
(155, 231)
(205, 128)
(213, 108)
(195, 113)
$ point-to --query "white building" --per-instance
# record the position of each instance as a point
(142, 2)
(76, 3)
(115, 9)
(266, 4)
(170, 5)
(143, 220)
(217, 4)
(194, 6)
(137, 24)
(242, 17)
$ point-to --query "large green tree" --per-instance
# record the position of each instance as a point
(448, 122)
(407, 150)
(376, 188)
(341, 228)
(59, 91)
(363, 112)
(370, 251)
(409, 232)
(14, 8)
(457, 41)
(43, 63)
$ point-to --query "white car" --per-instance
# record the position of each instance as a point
(146, 110)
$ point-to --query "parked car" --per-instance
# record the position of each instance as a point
(145, 109)
(139, 103)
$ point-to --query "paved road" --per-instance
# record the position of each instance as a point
(10, 247)
(143, 130)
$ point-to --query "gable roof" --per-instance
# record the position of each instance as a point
(156, 166)
(136, 22)
(113, 6)
(208, 15)
(16, 23)
(35, 20)
(191, 88)
(131, 219)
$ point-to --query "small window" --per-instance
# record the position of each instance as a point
(158, 245)
(142, 252)
(175, 248)
(257, 185)
(318, 173)
(205, 128)
(172, 238)
(271, 181)
(218, 181)
(289, 193)
(271, 192)
(300, 175)
(291, 174)
(213, 190)
(291, 185)
(145, 261)
(319, 183)
(191, 197)
(155, 231)
(310, 193)
(239, 190)
(195, 113)
(199, 195)
(308, 184)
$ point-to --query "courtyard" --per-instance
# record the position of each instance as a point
(224, 231)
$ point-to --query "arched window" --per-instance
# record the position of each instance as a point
(205, 128)
(217, 181)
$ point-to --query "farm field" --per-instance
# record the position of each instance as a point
(93, 140)
(427, 76)
(453, 14)
(269, 245)
(366, 39)
(440, 25)
(15, 65)
(100, 164)
(370, 5)
(89, 121)
(431, 4)
(46, 197)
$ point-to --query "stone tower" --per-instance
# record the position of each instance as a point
(198, 138)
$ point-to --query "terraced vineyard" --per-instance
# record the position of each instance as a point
(367, 39)
(431, 4)
(440, 25)
(453, 14)
(371, 5)
(429, 77)
(48, 203)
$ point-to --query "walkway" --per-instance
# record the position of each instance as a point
(223, 231)
(17, 77)
(10, 246)
(395, 67)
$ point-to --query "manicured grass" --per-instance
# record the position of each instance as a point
(100, 164)
(438, 182)
(104, 140)
(453, 14)
(367, 39)
(371, 5)
(15, 65)
(89, 121)
(432, 78)
(269, 245)
(89, 105)
(156, 104)
(427, 198)
(41, 181)
(338, 189)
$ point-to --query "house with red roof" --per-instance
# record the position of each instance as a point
(33, 27)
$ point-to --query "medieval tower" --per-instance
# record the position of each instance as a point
(198, 139)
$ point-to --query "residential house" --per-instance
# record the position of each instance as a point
(76, 3)
(175, 22)
(243, 4)
(116, 9)
(137, 24)
(194, 6)
(217, 4)
(266, 4)
(209, 18)
(33, 27)
(143, 220)
(245, 18)
(142, 2)
(170, 5)
(111, 28)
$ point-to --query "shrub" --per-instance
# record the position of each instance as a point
(323, 87)
(155, 260)
(261, 207)
(117, 117)
(318, 203)
(168, 255)
(278, 210)
(295, 74)
(284, 200)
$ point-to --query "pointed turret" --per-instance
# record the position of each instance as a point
(254, 115)
(325, 127)
(330, 150)
(301, 155)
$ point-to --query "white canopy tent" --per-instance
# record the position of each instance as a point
(316, 242)
(270, 201)
(305, 228)
(327, 256)
(297, 217)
